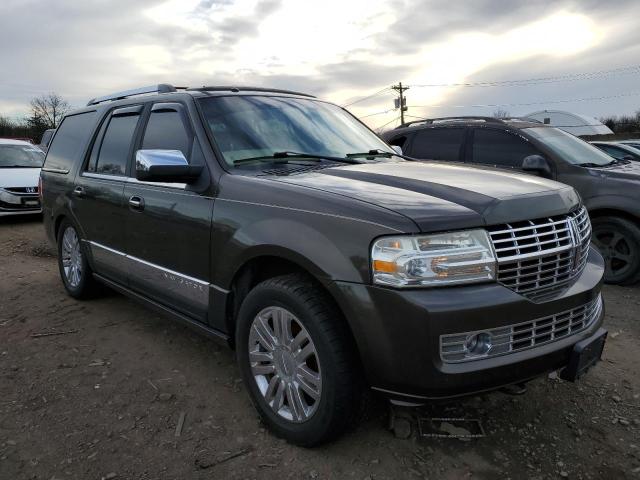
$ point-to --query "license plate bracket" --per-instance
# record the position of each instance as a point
(585, 355)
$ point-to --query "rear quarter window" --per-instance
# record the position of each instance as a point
(68, 144)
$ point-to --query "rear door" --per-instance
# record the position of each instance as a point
(499, 148)
(168, 225)
(441, 143)
(98, 204)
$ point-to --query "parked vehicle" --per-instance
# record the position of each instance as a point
(618, 151)
(608, 187)
(281, 224)
(632, 143)
(46, 139)
(20, 164)
(573, 123)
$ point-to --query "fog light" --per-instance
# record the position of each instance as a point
(478, 344)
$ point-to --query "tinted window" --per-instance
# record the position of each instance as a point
(613, 151)
(496, 147)
(116, 144)
(438, 144)
(69, 141)
(166, 130)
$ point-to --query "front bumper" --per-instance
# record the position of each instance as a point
(19, 204)
(398, 334)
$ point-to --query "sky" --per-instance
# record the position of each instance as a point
(338, 50)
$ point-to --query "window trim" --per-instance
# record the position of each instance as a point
(99, 134)
(160, 107)
(472, 143)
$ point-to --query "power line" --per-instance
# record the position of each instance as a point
(378, 113)
(380, 92)
(384, 125)
(548, 102)
(628, 70)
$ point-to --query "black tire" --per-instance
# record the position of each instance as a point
(618, 240)
(340, 395)
(86, 286)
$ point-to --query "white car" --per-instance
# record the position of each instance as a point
(20, 164)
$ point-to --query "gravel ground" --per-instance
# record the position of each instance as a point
(106, 400)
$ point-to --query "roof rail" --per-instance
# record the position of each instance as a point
(452, 119)
(160, 88)
(247, 89)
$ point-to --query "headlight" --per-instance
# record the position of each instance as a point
(432, 260)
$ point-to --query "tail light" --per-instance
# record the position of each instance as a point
(40, 188)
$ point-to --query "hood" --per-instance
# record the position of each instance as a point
(627, 171)
(19, 177)
(442, 196)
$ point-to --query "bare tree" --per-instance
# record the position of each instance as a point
(49, 109)
(500, 113)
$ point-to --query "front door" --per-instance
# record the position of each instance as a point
(168, 225)
(98, 193)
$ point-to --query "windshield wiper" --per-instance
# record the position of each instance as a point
(283, 156)
(371, 153)
(595, 165)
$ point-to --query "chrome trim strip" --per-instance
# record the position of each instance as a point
(100, 176)
(173, 284)
(55, 170)
(219, 289)
(175, 186)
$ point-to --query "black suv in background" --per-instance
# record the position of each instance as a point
(610, 188)
(283, 225)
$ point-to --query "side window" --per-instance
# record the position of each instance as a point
(69, 141)
(438, 143)
(496, 147)
(398, 141)
(613, 151)
(110, 153)
(166, 131)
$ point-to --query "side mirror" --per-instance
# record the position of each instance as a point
(169, 166)
(397, 149)
(628, 157)
(537, 165)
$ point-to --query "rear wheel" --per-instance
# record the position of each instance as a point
(297, 360)
(75, 272)
(618, 240)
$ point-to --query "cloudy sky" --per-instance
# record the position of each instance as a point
(340, 50)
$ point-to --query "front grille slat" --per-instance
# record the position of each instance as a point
(539, 258)
(525, 335)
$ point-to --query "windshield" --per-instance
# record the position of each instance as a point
(568, 147)
(14, 156)
(254, 126)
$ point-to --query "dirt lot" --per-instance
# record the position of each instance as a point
(104, 400)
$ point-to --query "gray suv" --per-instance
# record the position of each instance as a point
(609, 187)
(282, 225)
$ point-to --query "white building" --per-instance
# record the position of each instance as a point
(571, 122)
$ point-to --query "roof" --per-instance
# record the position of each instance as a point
(11, 141)
(574, 123)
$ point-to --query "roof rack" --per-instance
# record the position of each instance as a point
(160, 88)
(452, 119)
(247, 89)
(467, 118)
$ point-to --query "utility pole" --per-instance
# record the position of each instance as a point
(401, 101)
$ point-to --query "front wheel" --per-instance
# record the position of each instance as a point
(618, 240)
(297, 360)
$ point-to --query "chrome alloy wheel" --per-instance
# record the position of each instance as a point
(71, 257)
(285, 364)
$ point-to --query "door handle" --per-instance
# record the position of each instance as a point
(79, 192)
(136, 203)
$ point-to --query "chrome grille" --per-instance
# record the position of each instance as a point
(538, 258)
(522, 336)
